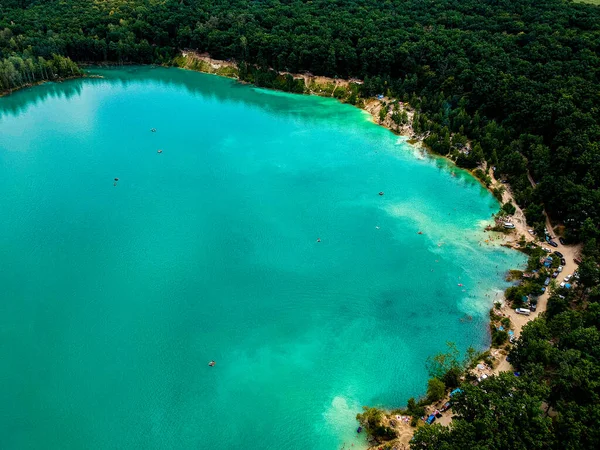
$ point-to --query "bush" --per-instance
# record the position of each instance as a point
(436, 389)
(480, 174)
(371, 419)
(499, 337)
(508, 208)
(498, 192)
(415, 409)
(452, 377)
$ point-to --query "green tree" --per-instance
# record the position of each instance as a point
(436, 389)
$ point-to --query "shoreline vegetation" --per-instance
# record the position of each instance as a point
(18, 73)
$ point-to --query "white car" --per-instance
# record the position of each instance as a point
(547, 250)
(560, 268)
(567, 278)
(562, 285)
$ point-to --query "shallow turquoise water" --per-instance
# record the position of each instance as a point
(115, 298)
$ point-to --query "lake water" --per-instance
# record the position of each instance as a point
(114, 298)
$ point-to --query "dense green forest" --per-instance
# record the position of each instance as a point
(518, 79)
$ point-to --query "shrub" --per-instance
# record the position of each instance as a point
(499, 337)
(452, 377)
(415, 409)
(436, 389)
(371, 419)
(508, 208)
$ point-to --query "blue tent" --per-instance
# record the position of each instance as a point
(455, 391)
(568, 286)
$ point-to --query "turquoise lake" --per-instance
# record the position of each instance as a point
(114, 298)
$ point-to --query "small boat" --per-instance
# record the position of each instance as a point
(359, 429)
(460, 284)
(420, 232)
(153, 130)
(381, 193)
(116, 179)
(212, 363)
(159, 151)
(318, 239)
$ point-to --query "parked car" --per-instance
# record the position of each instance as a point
(559, 254)
(553, 244)
(563, 261)
(446, 407)
(547, 282)
(568, 278)
(532, 307)
(562, 241)
(546, 249)
(560, 269)
(555, 274)
(523, 311)
(562, 284)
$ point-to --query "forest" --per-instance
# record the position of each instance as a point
(517, 79)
